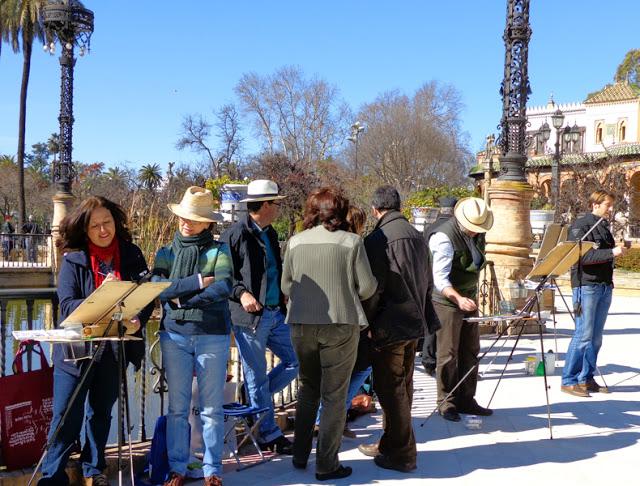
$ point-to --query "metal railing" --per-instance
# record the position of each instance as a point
(20, 250)
(489, 290)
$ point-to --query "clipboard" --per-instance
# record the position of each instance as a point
(111, 297)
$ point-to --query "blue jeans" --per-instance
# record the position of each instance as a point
(355, 382)
(207, 354)
(580, 361)
(100, 391)
(272, 333)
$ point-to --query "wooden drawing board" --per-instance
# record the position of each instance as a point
(99, 307)
(555, 233)
(560, 259)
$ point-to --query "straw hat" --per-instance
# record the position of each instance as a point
(474, 214)
(262, 190)
(196, 205)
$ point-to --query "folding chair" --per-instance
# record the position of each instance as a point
(240, 414)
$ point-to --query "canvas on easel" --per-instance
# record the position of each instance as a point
(560, 259)
(554, 234)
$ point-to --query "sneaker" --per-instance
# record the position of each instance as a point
(341, 472)
(475, 409)
(213, 481)
(593, 387)
(370, 450)
(279, 445)
(175, 479)
(576, 390)
(384, 462)
(99, 480)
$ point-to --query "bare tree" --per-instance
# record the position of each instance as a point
(301, 118)
(229, 134)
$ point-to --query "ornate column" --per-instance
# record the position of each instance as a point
(509, 240)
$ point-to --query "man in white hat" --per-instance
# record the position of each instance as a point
(457, 255)
(257, 306)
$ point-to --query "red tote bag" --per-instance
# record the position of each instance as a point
(26, 400)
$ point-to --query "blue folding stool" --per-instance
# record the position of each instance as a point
(240, 414)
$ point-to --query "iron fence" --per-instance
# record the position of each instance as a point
(24, 250)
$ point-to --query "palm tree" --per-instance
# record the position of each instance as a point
(21, 25)
(150, 176)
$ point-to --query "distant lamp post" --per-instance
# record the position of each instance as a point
(70, 24)
(356, 129)
(488, 163)
(568, 135)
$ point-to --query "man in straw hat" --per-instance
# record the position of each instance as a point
(257, 306)
(457, 255)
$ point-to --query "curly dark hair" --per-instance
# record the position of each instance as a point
(328, 207)
(73, 228)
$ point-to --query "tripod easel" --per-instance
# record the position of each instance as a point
(556, 262)
(114, 302)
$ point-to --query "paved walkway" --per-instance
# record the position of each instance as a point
(595, 439)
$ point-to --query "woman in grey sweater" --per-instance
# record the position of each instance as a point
(326, 274)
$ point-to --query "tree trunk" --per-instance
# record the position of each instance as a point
(27, 44)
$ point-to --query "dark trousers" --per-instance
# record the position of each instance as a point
(393, 382)
(327, 353)
(100, 391)
(429, 350)
(458, 347)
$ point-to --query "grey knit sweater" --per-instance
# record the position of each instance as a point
(326, 274)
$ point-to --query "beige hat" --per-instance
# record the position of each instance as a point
(474, 214)
(262, 190)
(196, 205)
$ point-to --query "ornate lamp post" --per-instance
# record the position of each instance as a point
(356, 129)
(509, 241)
(69, 23)
(568, 135)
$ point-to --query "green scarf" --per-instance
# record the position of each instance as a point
(186, 251)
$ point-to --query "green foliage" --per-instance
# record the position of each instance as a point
(541, 202)
(629, 68)
(429, 197)
(630, 261)
(214, 185)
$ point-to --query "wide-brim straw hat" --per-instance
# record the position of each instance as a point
(196, 205)
(262, 190)
(473, 214)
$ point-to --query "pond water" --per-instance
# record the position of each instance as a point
(17, 320)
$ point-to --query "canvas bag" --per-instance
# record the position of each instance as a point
(26, 404)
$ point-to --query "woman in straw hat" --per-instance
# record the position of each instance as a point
(194, 331)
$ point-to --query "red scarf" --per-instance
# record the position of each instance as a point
(104, 254)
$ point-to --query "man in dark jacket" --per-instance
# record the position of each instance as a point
(592, 283)
(429, 346)
(457, 256)
(257, 306)
(398, 313)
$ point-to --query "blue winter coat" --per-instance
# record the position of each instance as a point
(75, 283)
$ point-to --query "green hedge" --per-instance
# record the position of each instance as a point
(630, 261)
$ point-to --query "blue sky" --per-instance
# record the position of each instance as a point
(152, 62)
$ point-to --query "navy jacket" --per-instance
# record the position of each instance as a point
(75, 283)
(249, 269)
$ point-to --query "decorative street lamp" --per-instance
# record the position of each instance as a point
(70, 24)
(356, 129)
(515, 91)
(568, 135)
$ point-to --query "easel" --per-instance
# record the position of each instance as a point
(557, 261)
(113, 302)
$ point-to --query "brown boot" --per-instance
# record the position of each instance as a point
(576, 390)
(593, 387)
(175, 479)
(370, 450)
(213, 481)
(348, 433)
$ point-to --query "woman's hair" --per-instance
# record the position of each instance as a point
(328, 207)
(356, 218)
(73, 228)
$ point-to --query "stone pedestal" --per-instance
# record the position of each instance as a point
(509, 240)
(61, 204)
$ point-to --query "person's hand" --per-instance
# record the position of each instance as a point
(110, 277)
(206, 281)
(619, 250)
(134, 325)
(249, 302)
(466, 304)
